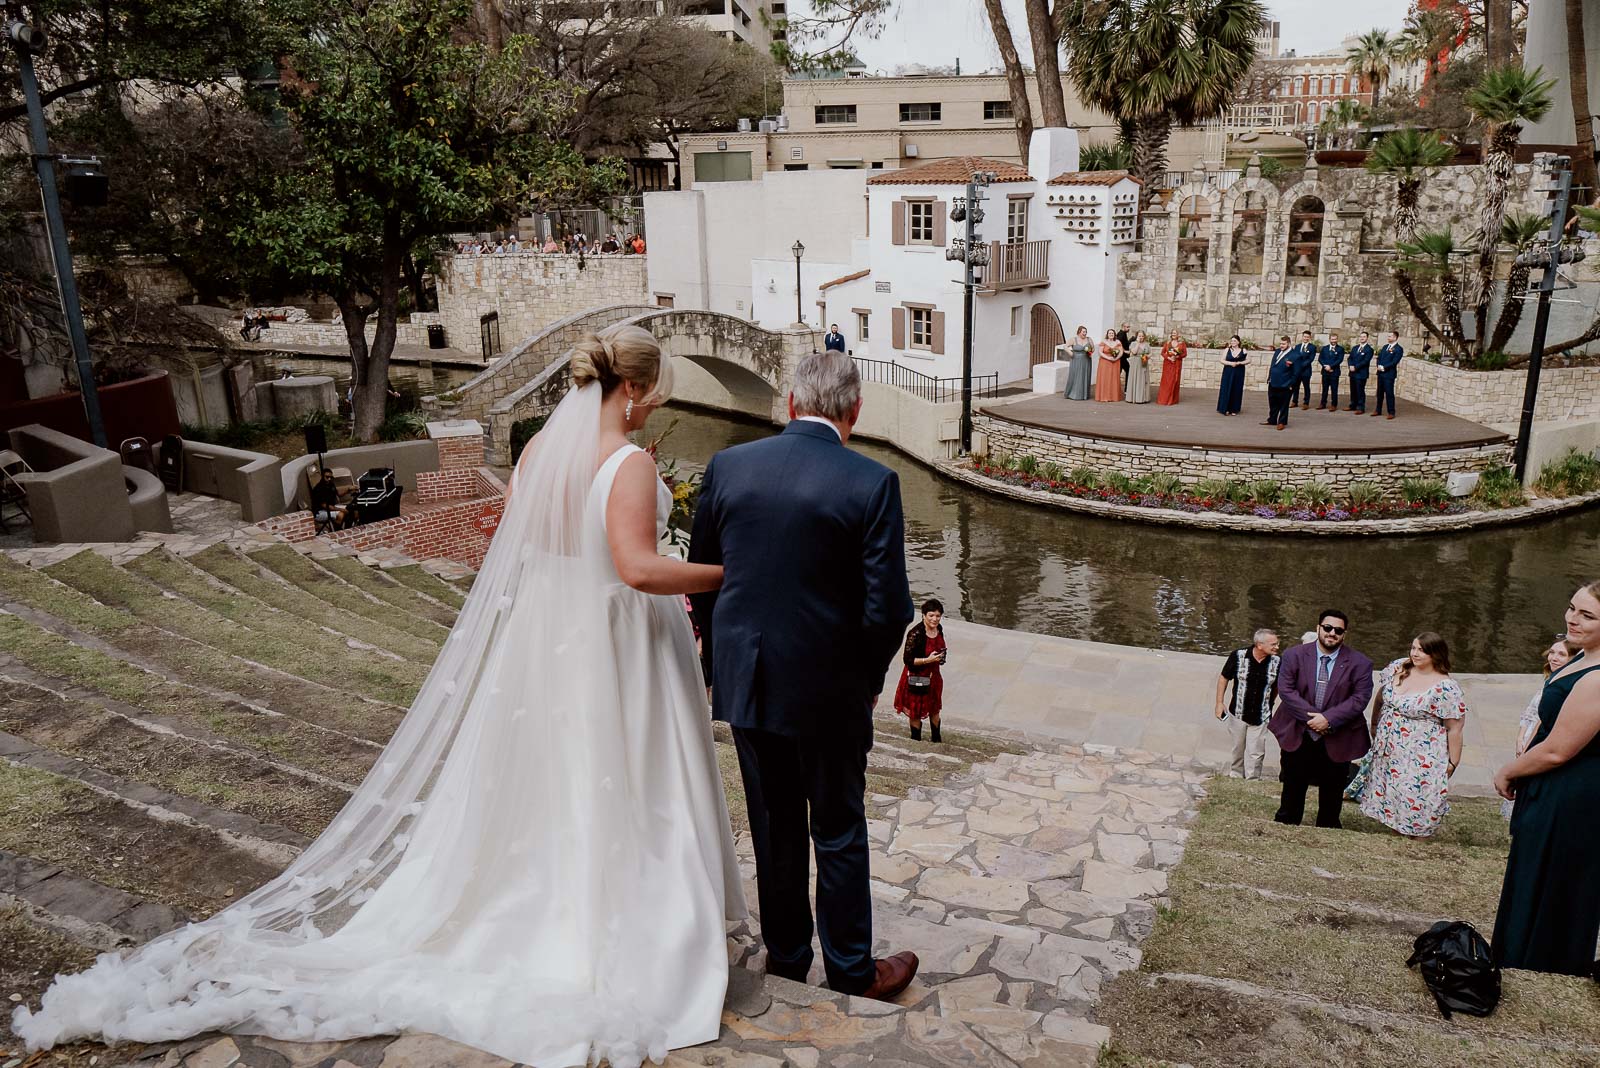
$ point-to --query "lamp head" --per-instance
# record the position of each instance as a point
(29, 37)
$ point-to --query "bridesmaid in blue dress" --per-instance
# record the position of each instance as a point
(1230, 397)
(1549, 916)
(1078, 374)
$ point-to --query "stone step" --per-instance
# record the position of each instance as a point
(372, 581)
(89, 913)
(313, 577)
(428, 584)
(124, 744)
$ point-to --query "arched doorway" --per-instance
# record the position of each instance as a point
(1044, 334)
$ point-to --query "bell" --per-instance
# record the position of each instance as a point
(1303, 263)
(1250, 229)
(1193, 262)
(1306, 229)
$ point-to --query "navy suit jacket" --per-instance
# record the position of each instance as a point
(814, 602)
(1285, 368)
(1331, 357)
(1360, 360)
(1305, 355)
(1345, 703)
(1389, 358)
(832, 341)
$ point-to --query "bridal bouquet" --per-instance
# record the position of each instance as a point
(685, 490)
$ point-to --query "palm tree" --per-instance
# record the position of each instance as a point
(1429, 256)
(1426, 36)
(1520, 230)
(1151, 63)
(1115, 156)
(1344, 116)
(1408, 154)
(1506, 98)
(1371, 57)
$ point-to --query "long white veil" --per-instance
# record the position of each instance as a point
(483, 815)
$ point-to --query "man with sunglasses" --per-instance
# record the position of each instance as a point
(1323, 689)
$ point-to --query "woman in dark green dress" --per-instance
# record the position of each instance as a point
(1549, 916)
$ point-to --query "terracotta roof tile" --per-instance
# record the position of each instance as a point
(956, 170)
(1092, 178)
(847, 278)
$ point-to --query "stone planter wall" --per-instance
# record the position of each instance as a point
(529, 291)
(1335, 470)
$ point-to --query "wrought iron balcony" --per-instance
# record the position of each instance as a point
(1015, 265)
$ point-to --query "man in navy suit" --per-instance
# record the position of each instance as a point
(1305, 358)
(1331, 358)
(1321, 725)
(813, 607)
(1388, 362)
(833, 341)
(1282, 374)
(1360, 364)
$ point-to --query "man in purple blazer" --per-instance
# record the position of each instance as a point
(1321, 724)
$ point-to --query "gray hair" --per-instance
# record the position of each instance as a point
(1264, 635)
(827, 384)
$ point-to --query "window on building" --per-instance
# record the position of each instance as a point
(862, 324)
(1327, 84)
(919, 221)
(779, 7)
(920, 112)
(997, 109)
(833, 114)
(921, 328)
(1016, 220)
(1016, 321)
(722, 166)
(797, 166)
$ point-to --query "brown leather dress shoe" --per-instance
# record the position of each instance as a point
(894, 975)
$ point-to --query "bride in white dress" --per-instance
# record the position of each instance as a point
(540, 863)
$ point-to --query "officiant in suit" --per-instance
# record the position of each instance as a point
(811, 611)
(1323, 691)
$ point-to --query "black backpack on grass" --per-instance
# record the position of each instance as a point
(1458, 969)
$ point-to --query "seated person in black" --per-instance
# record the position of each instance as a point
(325, 503)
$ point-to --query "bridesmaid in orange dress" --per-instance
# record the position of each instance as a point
(1108, 373)
(1172, 354)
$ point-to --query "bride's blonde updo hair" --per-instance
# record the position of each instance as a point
(623, 353)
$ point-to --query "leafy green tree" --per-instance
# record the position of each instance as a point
(408, 129)
(1153, 63)
(817, 35)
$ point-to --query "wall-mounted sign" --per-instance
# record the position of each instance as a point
(881, 287)
(722, 146)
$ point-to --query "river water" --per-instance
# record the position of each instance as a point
(1497, 596)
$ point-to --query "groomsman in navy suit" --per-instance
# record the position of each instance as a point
(1360, 363)
(1305, 357)
(1331, 358)
(1282, 374)
(1388, 361)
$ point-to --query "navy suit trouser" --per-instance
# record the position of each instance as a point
(805, 793)
(1304, 768)
(1358, 392)
(1385, 392)
(1330, 390)
(1302, 386)
(1279, 400)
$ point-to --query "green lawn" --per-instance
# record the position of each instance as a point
(1287, 946)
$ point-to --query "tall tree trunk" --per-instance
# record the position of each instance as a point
(490, 20)
(1150, 136)
(1016, 80)
(1407, 210)
(1497, 32)
(353, 312)
(1047, 63)
(1408, 289)
(1510, 311)
(1583, 168)
(1499, 161)
(372, 388)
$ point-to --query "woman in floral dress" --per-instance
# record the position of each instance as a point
(1416, 726)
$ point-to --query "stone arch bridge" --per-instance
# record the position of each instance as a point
(719, 359)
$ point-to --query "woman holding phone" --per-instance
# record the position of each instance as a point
(921, 691)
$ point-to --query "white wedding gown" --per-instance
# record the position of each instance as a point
(540, 863)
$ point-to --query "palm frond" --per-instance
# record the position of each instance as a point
(1407, 152)
(1511, 95)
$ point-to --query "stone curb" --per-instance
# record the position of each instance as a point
(1546, 508)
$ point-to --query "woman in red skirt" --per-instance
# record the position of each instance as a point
(921, 689)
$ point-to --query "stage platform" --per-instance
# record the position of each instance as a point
(1195, 423)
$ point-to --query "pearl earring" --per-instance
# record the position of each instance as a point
(627, 413)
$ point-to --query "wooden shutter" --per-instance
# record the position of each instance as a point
(938, 223)
(937, 344)
(899, 330)
(897, 222)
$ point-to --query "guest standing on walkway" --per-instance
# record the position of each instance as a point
(1230, 395)
(1332, 360)
(1549, 914)
(1172, 354)
(1417, 722)
(1360, 365)
(1281, 376)
(1305, 356)
(1388, 360)
(1138, 391)
(1108, 377)
(920, 694)
(1253, 671)
(1320, 724)
(1555, 658)
(833, 341)
(1081, 369)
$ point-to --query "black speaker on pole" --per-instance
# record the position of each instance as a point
(316, 438)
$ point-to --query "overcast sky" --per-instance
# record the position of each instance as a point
(936, 32)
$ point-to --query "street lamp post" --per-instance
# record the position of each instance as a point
(27, 40)
(972, 253)
(799, 250)
(1550, 257)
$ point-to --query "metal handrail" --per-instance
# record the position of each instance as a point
(928, 388)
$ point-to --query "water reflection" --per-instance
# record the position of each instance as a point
(1497, 596)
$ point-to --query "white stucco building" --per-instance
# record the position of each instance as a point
(875, 255)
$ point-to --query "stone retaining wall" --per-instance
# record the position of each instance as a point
(1334, 470)
(530, 291)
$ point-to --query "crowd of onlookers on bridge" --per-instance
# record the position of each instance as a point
(576, 243)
